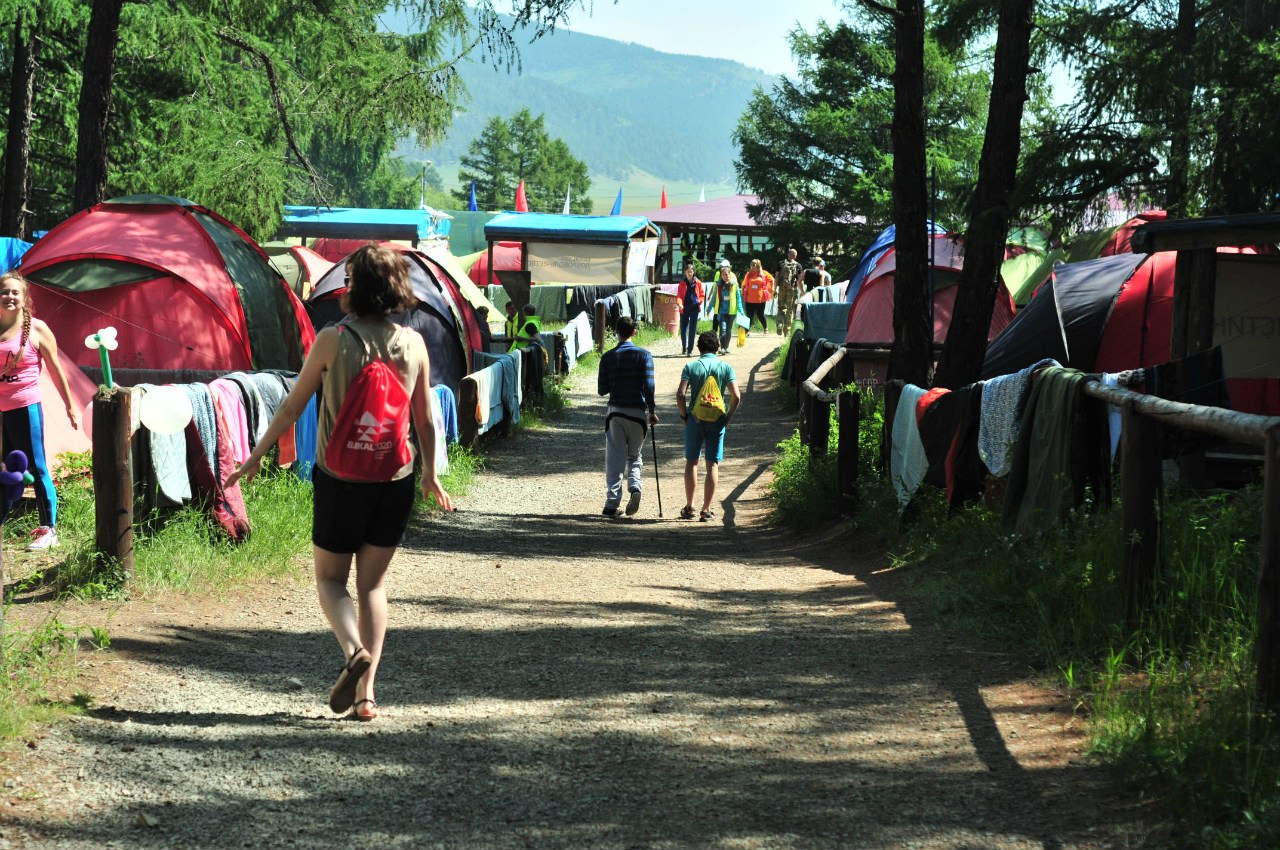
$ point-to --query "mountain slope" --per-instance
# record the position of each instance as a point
(617, 105)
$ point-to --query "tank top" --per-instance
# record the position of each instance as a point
(392, 343)
(20, 385)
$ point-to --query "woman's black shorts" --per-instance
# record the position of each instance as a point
(348, 514)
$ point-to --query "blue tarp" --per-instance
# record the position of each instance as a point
(882, 243)
(11, 251)
(531, 227)
(363, 223)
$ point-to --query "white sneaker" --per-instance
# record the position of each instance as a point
(43, 537)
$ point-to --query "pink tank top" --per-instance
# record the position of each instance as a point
(19, 385)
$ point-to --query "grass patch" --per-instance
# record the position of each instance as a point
(803, 490)
(182, 548)
(37, 662)
(464, 466)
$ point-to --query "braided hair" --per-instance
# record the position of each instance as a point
(26, 316)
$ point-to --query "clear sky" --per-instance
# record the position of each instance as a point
(753, 32)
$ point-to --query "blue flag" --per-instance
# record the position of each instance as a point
(472, 207)
(617, 203)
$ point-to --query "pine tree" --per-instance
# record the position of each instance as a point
(490, 163)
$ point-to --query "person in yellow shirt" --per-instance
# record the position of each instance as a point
(757, 290)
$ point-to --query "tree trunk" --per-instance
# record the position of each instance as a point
(95, 103)
(17, 151)
(990, 210)
(1177, 197)
(911, 358)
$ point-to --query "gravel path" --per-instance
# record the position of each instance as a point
(554, 679)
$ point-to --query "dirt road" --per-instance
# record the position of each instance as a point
(555, 679)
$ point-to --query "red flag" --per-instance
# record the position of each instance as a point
(522, 203)
(663, 206)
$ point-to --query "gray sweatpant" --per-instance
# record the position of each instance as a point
(623, 444)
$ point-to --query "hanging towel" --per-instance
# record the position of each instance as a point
(1002, 402)
(448, 411)
(1115, 418)
(257, 417)
(949, 431)
(509, 388)
(825, 320)
(205, 420)
(272, 387)
(577, 339)
(1052, 462)
(228, 397)
(817, 356)
(907, 461)
(489, 405)
(442, 442)
(226, 506)
(305, 439)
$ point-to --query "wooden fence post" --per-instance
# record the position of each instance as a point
(468, 401)
(848, 414)
(601, 320)
(113, 477)
(1268, 641)
(819, 427)
(1141, 488)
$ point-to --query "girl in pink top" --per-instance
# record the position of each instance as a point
(26, 344)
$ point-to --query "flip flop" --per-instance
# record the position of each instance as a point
(366, 714)
(344, 690)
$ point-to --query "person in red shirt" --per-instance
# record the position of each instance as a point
(757, 290)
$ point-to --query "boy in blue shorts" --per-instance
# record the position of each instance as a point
(700, 437)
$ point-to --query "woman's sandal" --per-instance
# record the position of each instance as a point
(367, 713)
(686, 513)
(706, 515)
(344, 690)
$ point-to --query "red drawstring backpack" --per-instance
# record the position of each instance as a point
(370, 437)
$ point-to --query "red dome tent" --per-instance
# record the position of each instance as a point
(506, 257)
(185, 288)
(871, 315)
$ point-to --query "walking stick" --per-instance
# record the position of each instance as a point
(657, 483)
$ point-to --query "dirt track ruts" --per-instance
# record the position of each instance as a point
(554, 679)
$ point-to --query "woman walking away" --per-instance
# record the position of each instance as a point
(724, 303)
(352, 516)
(691, 296)
(26, 344)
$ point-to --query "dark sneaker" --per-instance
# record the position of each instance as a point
(633, 503)
(608, 511)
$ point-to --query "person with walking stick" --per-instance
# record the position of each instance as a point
(626, 377)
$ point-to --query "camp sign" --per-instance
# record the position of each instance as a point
(1247, 316)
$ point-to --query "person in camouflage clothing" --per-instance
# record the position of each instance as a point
(790, 288)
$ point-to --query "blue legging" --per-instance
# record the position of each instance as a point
(24, 431)
(689, 330)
